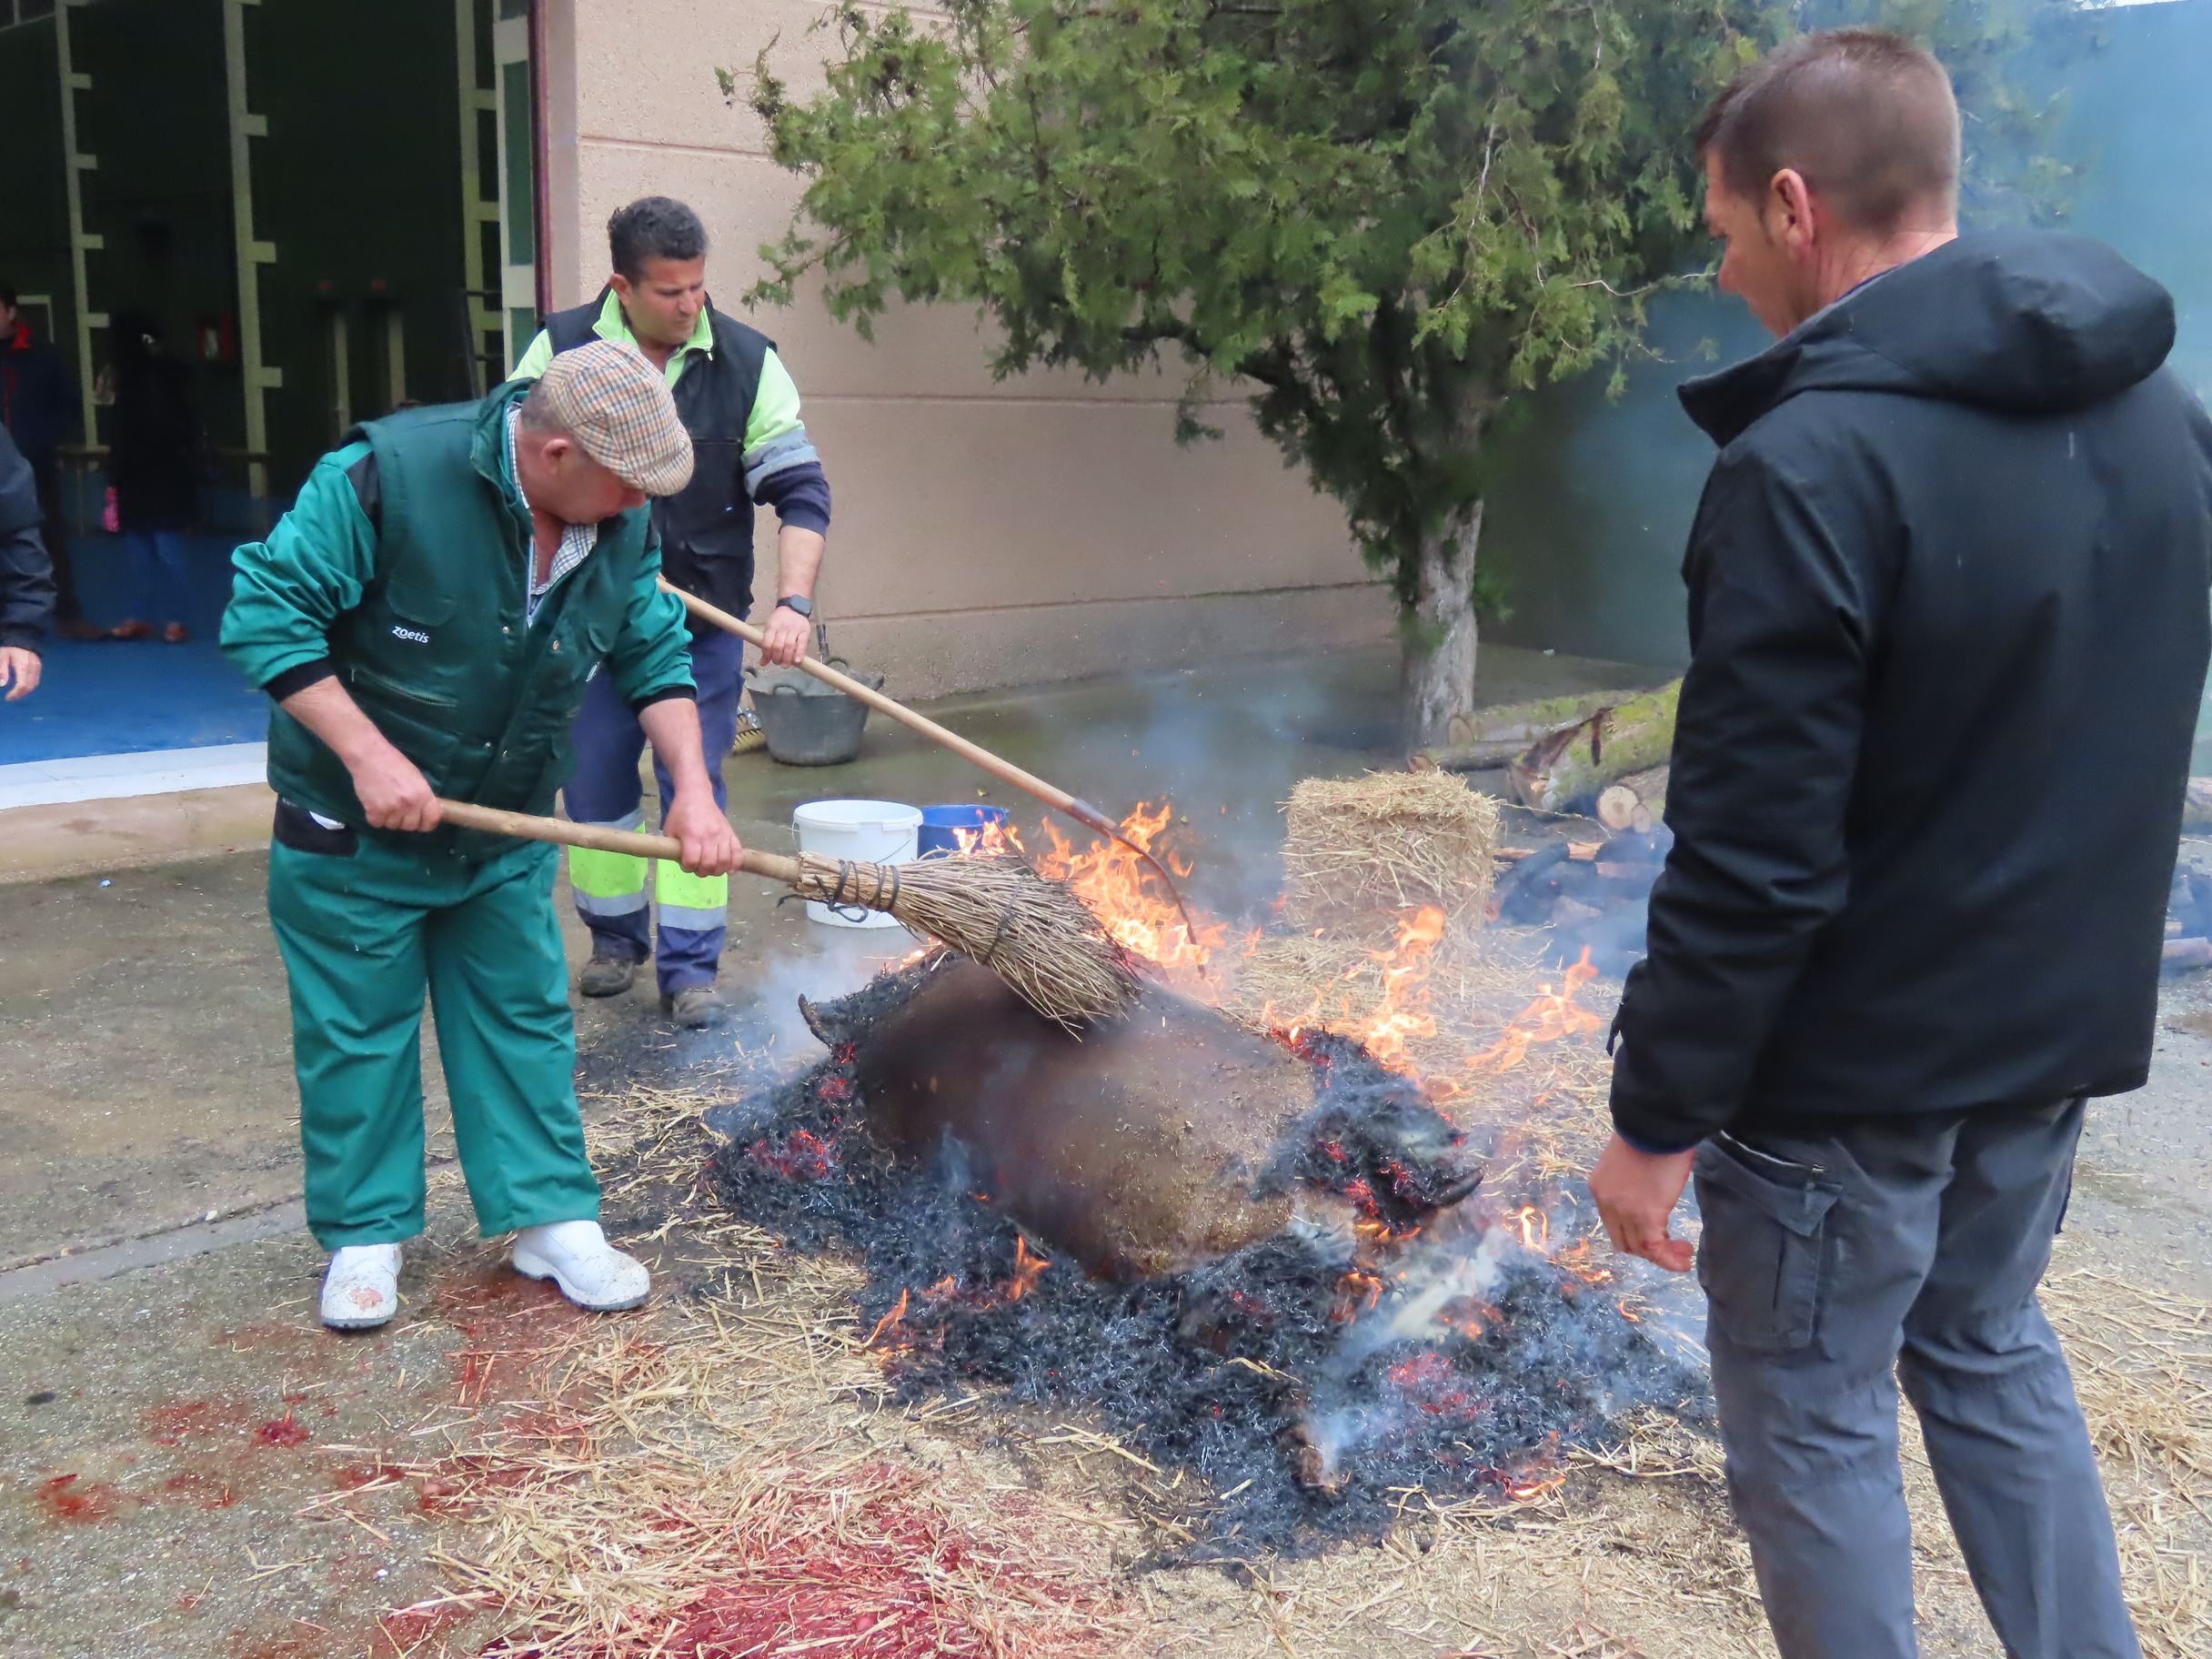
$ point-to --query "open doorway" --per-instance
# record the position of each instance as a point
(302, 216)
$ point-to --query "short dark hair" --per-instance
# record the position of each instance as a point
(538, 416)
(7, 296)
(1868, 117)
(653, 228)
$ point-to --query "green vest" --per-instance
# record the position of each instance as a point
(438, 654)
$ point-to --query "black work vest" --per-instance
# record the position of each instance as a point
(438, 653)
(706, 529)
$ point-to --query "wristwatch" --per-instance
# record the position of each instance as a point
(805, 608)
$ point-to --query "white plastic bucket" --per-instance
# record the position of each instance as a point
(867, 831)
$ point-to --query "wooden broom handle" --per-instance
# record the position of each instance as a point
(562, 832)
(1082, 810)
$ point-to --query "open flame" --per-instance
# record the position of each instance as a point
(1403, 1015)
(1028, 1266)
(998, 836)
(1553, 1017)
(1120, 887)
(1118, 884)
(888, 1321)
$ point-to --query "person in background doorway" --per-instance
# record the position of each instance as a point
(1948, 632)
(741, 408)
(39, 408)
(26, 581)
(154, 465)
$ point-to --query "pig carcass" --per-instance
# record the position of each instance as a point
(1148, 1143)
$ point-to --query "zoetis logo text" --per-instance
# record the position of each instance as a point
(401, 631)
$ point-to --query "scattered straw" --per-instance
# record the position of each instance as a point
(699, 1490)
(1385, 842)
(731, 1474)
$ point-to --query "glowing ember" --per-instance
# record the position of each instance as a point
(1358, 1290)
(1526, 1491)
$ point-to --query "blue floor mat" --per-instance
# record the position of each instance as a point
(123, 698)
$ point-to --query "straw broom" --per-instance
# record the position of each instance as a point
(1032, 932)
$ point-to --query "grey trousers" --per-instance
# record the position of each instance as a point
(1839, 1263)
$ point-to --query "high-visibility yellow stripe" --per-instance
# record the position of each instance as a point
(676, 889)
(607, 875)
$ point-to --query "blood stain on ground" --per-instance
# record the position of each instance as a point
(437, 1497)
(285, 1431)
(70, 1501)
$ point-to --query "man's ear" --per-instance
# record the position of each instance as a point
(1788, 214)
(620, 285)
(558, 449)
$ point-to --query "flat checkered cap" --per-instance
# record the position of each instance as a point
(618, 406)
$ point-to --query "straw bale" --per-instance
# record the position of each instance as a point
(1361, 850)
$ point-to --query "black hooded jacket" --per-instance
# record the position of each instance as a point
(27, 577)
(1948, 617)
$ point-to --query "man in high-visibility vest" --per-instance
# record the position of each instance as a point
(425, 621)
(741, 408)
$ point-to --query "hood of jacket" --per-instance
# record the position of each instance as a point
(2025, 322)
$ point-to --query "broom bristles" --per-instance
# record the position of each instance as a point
(1032, 932)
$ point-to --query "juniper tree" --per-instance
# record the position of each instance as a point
(1381, 218)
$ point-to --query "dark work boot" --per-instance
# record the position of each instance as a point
(606, 976)
(695, 1007)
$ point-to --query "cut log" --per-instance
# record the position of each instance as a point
(2196, 810)
(1569, 767)
(1635, 803)
(1470, 757)
(1521, 724)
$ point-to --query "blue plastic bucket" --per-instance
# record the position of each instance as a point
(941, 826)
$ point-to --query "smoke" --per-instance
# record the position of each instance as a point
(765, 1023)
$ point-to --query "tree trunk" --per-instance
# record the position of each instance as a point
(1436, 681)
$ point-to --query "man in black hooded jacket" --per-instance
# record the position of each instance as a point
(1949, 610)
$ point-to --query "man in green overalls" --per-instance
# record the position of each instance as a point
(425, 620)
